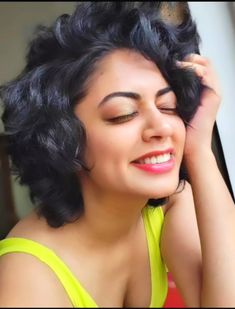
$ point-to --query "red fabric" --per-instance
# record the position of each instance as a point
(173, 299)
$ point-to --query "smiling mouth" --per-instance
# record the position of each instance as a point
(157, 159)
(159, 163)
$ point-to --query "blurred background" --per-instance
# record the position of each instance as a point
(216, 24)
(17, 24)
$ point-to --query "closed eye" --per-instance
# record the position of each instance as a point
(122, 118)
(170, 111)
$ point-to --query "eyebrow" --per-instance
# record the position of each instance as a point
(132, 95)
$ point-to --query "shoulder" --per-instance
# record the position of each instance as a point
(180, 221)
(26, 282)
(180, 244)
(30, 226)
(36, 228)
(24, 279)
(183, 197)
(180, 218)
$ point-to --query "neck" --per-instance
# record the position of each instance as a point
(110, 218)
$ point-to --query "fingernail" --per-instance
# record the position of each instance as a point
(178, 62)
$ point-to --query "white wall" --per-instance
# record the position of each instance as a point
(217, 30)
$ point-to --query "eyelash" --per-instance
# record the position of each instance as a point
(123, 118)
(170, 111)
(127, 117)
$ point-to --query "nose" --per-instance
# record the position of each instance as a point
(157, 125)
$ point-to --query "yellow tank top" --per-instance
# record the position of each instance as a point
(79, 297)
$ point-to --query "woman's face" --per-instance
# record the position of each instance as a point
(135, 139)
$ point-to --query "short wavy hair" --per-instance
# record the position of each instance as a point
(46, 139)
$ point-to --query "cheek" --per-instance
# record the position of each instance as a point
(103, 146)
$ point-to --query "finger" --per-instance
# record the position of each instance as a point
(195, 58)
(199, 69)
(205, 74)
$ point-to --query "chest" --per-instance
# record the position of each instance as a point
(121, 275)
(139, 287)
(117, 278)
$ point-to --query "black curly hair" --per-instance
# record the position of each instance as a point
(46, 139)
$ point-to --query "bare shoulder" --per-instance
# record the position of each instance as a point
(31, 226)
(181, 198)
(25, 281)
(180, 244)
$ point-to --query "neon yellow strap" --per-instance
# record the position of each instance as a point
(77, 294)
(153, 219)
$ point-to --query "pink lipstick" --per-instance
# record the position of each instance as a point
(156, 162)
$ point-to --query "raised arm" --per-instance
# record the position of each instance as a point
(215, 211)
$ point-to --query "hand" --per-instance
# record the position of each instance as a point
(199, 131)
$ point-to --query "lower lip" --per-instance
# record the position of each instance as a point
(158, 168)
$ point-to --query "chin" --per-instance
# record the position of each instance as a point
(162, 190)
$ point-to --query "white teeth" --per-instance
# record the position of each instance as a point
(153, 160)
(156, 159)
(147, 161)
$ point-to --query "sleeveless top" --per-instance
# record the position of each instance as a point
(79, 297)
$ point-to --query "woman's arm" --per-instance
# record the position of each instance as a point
(180, 245)
(215, 213)
(214, 207)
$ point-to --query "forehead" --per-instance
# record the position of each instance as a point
(125, 70)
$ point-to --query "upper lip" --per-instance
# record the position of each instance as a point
(155, 153)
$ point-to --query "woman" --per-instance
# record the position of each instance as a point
(111, 104)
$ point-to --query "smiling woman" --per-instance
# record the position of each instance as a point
(143, 121)
(113, 104)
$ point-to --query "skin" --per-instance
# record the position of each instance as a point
(214, 271)
(111, 231)
(114, 183)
